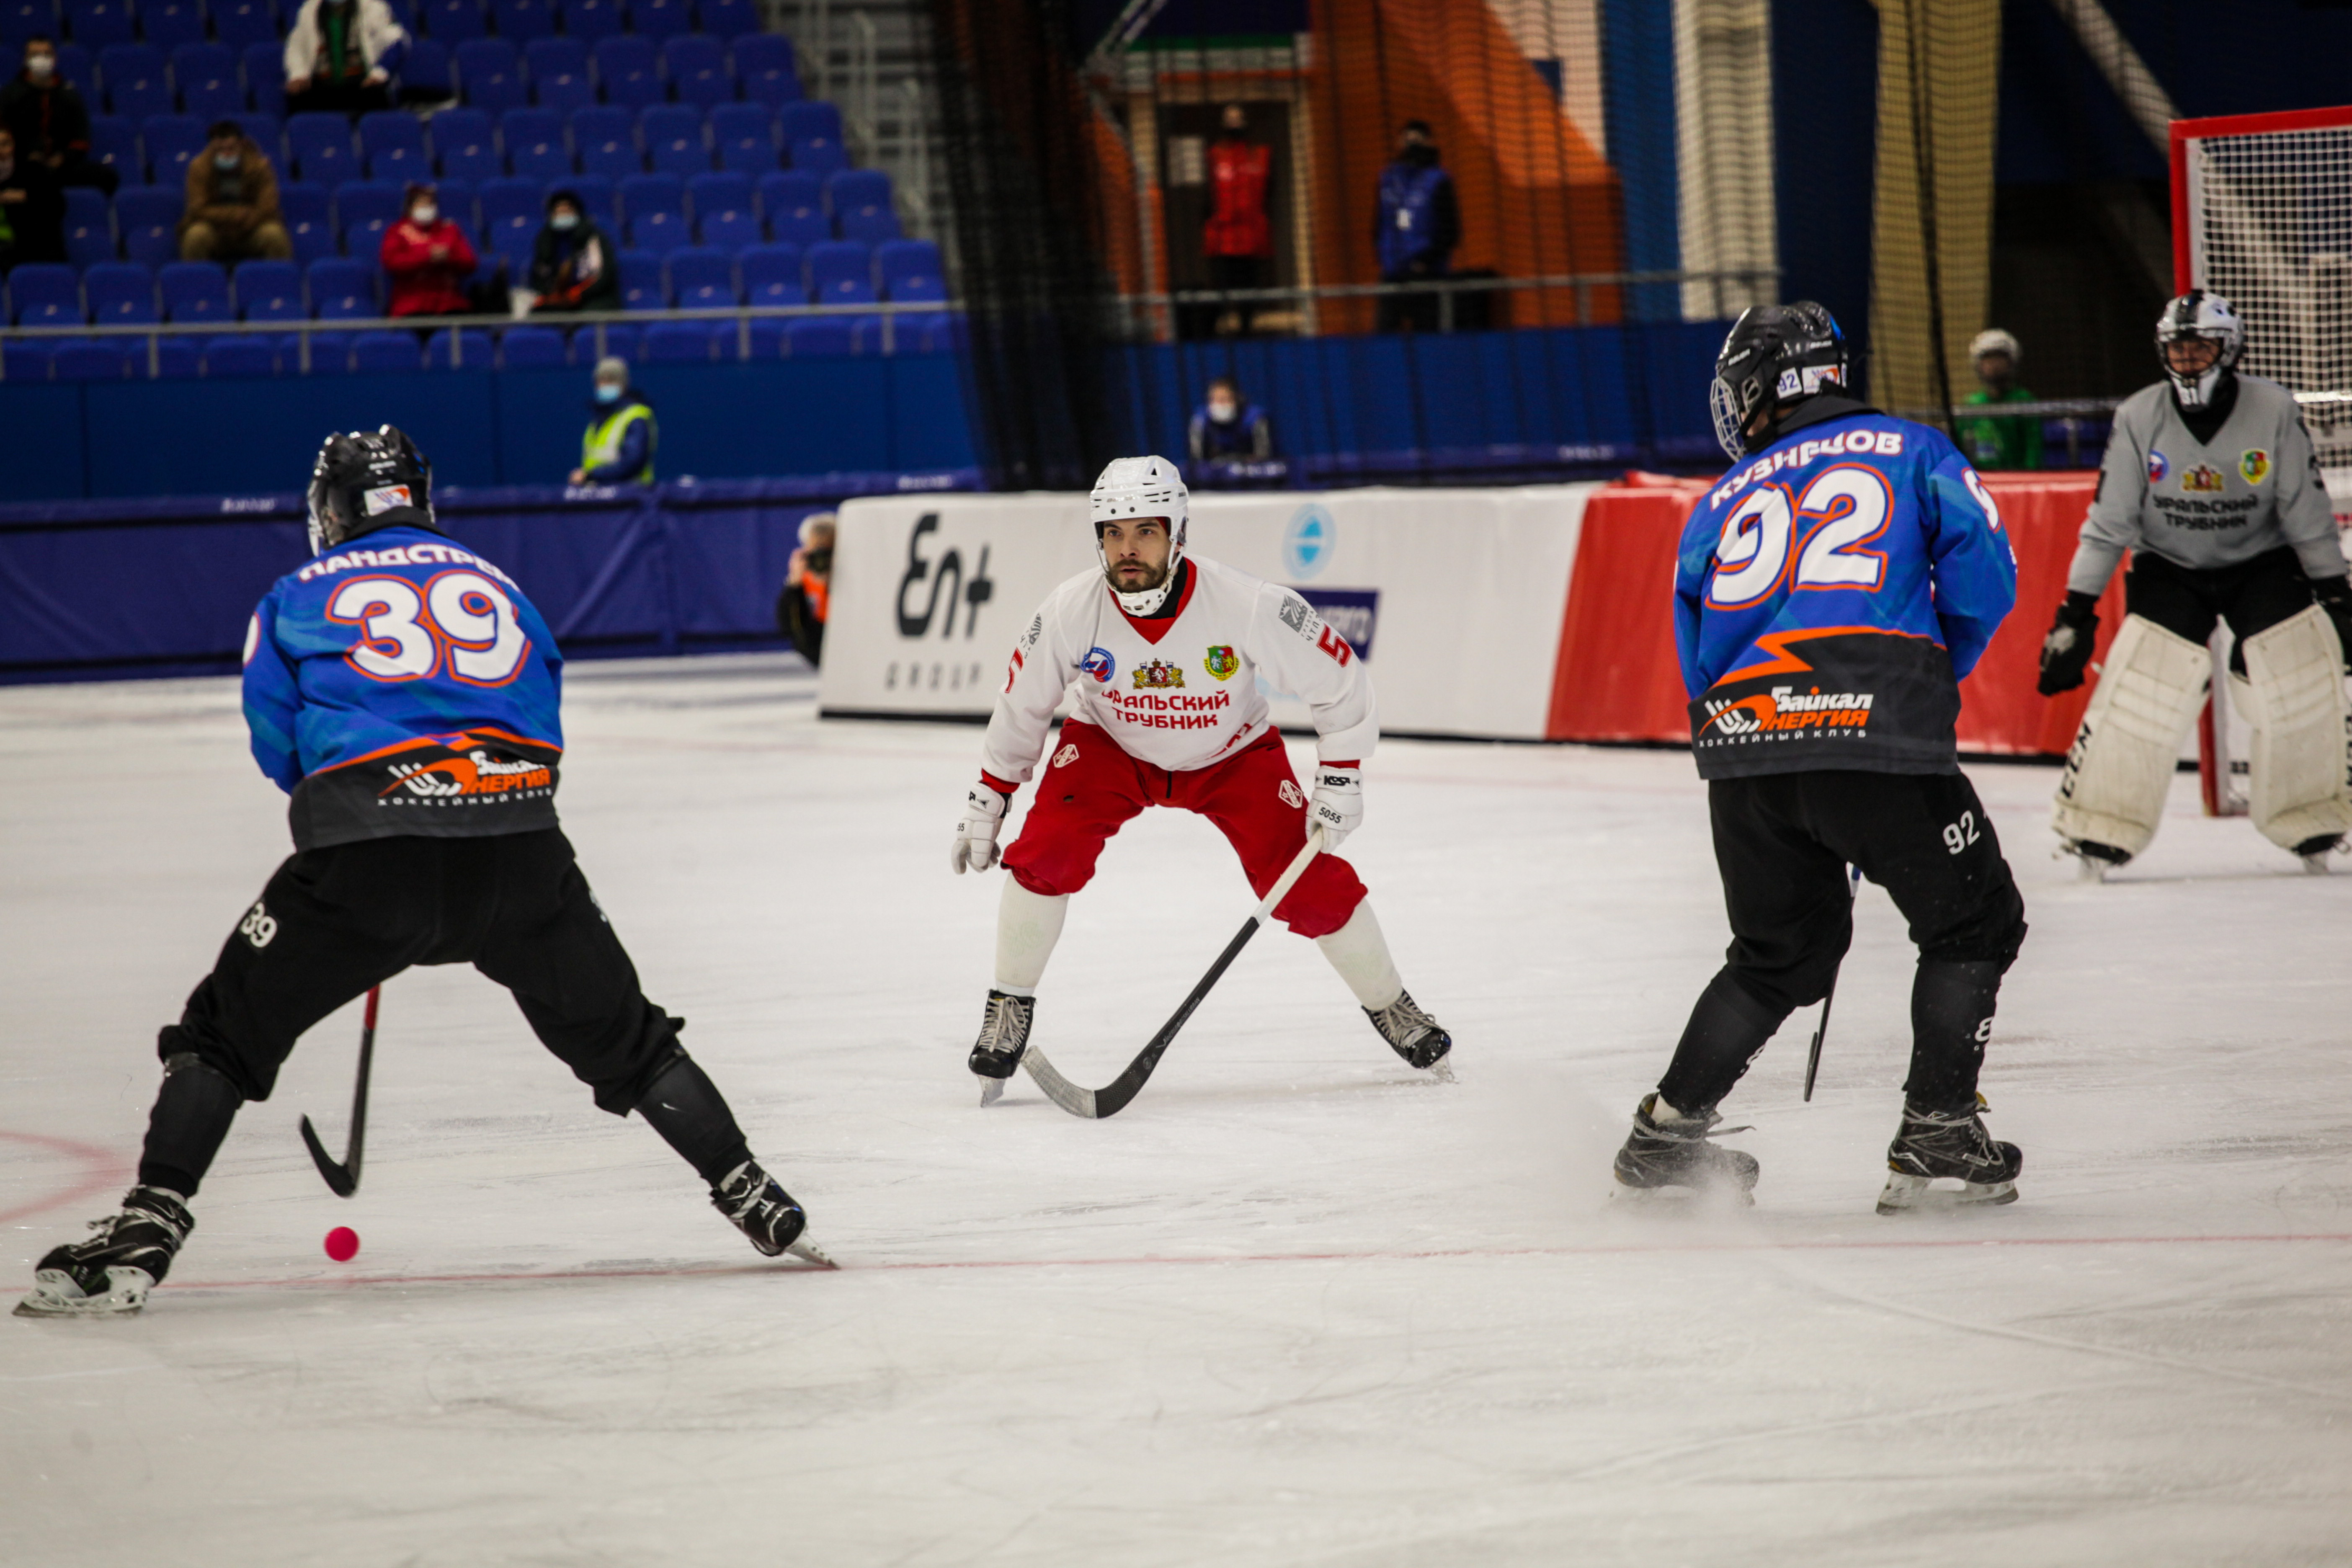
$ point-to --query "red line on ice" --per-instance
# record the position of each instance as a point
(100, 1168)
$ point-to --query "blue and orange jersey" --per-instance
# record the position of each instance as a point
(401, 685)
(1830, 594)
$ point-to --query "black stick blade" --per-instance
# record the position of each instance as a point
(339, 1182)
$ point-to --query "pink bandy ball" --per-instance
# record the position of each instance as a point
(342, 1244)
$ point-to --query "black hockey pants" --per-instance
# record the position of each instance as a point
(2253, 596)
(1782, 842)
(334, 921)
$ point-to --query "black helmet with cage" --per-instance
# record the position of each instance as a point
(1775, 357)
(364, 482)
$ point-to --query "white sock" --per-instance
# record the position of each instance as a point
(1027, 926)
(1361, 954)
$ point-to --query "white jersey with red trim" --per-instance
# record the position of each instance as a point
(1181, 692)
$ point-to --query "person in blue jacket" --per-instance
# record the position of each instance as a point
(404, 692)
(1831, 593)
(1416, 226)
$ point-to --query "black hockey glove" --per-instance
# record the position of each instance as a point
(2334, 594)
(2066, 652)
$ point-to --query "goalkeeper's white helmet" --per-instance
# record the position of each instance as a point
(1141, 486)
(2199, 314)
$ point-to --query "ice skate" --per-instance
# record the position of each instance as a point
(1413, 1035)
(2095, 859)
(111, 1273)
(1674, 1158)
(2315, 851)
(761, 1208)
(1004, 1040)
(1933, 1146)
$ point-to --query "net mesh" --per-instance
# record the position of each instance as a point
(2270, 226)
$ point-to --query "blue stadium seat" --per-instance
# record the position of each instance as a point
(622, 340)
(457, 197)
(269, 134)
(659, 19)
(767, 339)
(104, 358)
(75, 64)
(343, 288)
(642, 286)
(479, 351)
(211, 87)
(378, 352)
(644, 195)
(268, 291)
(148, 218)
(20, 19)
(590, 20)
(535, 146)
(701, 277)
(97, 24)
(194, 291)
(910, 272)
(860, 199)
(121, 294)
(810, 117)
(169, 24)
(392, 146)
(26, 359)
(489, 73)
(532, 348)
(520, 21)
(673, 138)
(765, 70)
(841, 272)
(424, 70)
(320, 145)
(240, 24)
(309, 217)
(658, 232)
(177, 358)
(559, 74)
(793, 208)
(264, 74)
(507, 200)
(464, 147)
(247, 356)
(330, 353)
(171, 143)
(820, 337)
(696, 64)
(136, 85)
(744, 136)
(678, 343)
(453, 22)
(816, 155)
(626, 68)
(114, 142)
(596, 193)
(89, 226)
(366, 208)
(730, 229)
(773, 275)
(727, 18)
(606, 138)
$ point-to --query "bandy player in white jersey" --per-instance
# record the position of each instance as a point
(1165, 650)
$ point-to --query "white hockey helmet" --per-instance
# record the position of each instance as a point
(2199, 314)
(1141, 486)
(1993, 340)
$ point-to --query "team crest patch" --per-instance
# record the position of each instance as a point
(2254, 465)
(2157, 467)
(1065, 756)
(1219, 662)
(1158, 676)
(1100, 664)
(2202, 479)
(1291, 795)
(383, 497)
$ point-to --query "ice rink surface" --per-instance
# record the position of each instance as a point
(1294, 1307)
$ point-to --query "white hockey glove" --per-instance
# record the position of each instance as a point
(975, 839)
(1337, 806)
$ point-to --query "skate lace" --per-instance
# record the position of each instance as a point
(1403, 1019)
(999, 1024)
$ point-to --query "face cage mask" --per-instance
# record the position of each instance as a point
(1145, 601)
(2197, 391)
(1730, 419)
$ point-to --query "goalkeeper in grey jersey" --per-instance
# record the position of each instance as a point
(2211, 482)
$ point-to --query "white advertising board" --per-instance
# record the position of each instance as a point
(1454, 597)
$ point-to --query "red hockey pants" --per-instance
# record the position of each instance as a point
(1089, 788)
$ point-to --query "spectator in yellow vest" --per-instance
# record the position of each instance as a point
(618, 446)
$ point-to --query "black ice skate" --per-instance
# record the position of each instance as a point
(1004, 1040)
(2315, 851)
(1414, 1035)
(762, 1210)
(1935, 1145)
(112, 1272)
(1674, 1159)
(2097, 860)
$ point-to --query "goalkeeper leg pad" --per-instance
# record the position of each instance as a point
(2122, 760)
(2294, 702)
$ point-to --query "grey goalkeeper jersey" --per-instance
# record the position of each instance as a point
(2253, 488)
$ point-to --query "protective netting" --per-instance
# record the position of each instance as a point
(2270, 224)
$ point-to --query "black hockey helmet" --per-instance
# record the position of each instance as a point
(362, 482)
(1776, 355)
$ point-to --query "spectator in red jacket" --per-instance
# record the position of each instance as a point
(1238, 238)
(428, 257)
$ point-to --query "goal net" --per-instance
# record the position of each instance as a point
(2261, 215)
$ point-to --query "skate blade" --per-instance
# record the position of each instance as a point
(807, 1252)
(2091, 870)
(1441, 1069)
(991, 1089)
(1680, 1197)
(1907, 1194)
(2315, 865)
(53, 1295)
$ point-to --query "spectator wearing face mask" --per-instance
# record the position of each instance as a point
(571, 262)
(32, 210)
(1416, 226)
(2000, 443)
(617, 447)
(340, 55)
(1227, 427)
(428, 258)
(232, 214)
(50, 122)
(806, 601)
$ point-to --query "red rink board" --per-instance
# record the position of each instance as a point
(1617, 678)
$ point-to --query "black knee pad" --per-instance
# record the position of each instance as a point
(219, 1055)
(1993, 933)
